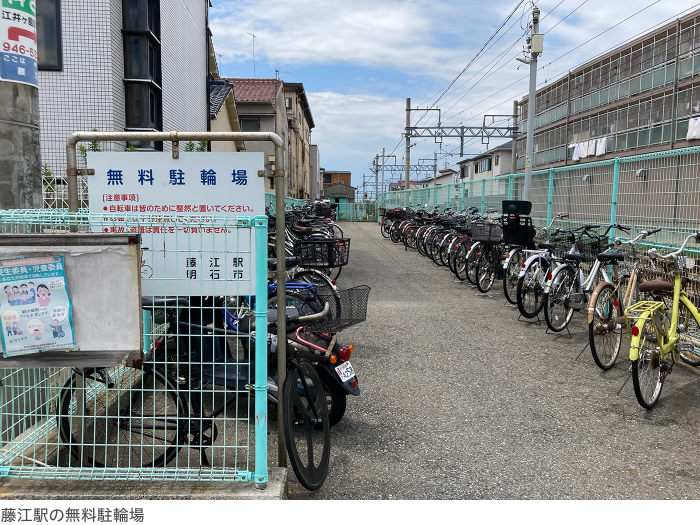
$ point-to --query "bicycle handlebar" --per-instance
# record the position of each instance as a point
(671, 255)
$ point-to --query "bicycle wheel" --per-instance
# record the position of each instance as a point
(411, 237)
(336, 230)
(420, 240)
(321, 281)
(647, 372)
(385, 228)
(605, 330)
(510, 276)
(689, 336)
(138, 424)
(461, 260)
(472, 260)
(530, 288)
(395, 234)
(444, 249)
(486, 268)
(308, 441)
(557, 313)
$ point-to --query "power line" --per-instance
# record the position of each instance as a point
(582, 63)
(478, 54)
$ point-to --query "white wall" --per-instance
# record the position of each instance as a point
(184, 64)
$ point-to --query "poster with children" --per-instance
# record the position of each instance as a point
(35, 309)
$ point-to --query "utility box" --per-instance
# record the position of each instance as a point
(537, 44)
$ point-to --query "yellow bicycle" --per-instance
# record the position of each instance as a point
(658, 335)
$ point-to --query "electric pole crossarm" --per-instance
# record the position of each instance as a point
(462, 132)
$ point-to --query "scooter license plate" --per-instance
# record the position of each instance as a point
(345, 371)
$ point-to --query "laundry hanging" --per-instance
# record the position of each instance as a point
(693, 129)
(577, 149)
(583, 150)
(592, 147)
(600, 147)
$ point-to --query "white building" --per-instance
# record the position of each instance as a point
(495, 162)
(119, 65)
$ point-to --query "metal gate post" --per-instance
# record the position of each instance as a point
(483, 194)
(613, 202)
(464, 194)
(510, 187)
(260, 469)
(448, 195)
(549, 198)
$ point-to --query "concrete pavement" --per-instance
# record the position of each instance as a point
(460, 400)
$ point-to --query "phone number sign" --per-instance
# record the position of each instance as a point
(18, 56)
(187, 249)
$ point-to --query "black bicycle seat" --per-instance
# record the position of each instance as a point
(575, 257)
(546, 246)
(611, 256)
(304, 222)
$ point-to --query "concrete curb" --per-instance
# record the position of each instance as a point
(27, 489)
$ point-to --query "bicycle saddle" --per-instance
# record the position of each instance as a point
(304, 222)
(288, 261)
(611, 256)
(546, 246)
(575, 257)
(657, 284)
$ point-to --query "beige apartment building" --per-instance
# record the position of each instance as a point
(300, 122)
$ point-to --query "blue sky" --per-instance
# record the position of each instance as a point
(359, 60)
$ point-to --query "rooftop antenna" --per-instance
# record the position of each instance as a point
(278, 73)
(254, 37)
(221, 60)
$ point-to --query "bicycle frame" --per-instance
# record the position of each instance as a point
(667, 334)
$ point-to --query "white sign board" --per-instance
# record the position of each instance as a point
(18, 57)
(194, 256)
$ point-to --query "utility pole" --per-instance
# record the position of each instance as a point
(536, 48)
(376, 184)
(435, 170)
(408, 151)
(383, 160)
(514, 146)
(20, 157)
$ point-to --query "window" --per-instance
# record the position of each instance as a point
(288, 103)
(495, 160)
(326, 178)
(250, 124)
(142, 67)
(48, 29)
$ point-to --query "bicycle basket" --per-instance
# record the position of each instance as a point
(486, 232)
(322, 253)
(396, 214)
(347, 308)
(382, 212)
(518, 230)
(590, 247)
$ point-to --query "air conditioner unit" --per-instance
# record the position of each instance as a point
(292, 123)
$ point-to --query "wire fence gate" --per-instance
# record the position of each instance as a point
(655, 190)
(194, 407)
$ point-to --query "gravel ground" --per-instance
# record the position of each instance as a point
(460, 400)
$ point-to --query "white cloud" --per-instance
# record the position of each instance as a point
(394, 35)
(352, 127)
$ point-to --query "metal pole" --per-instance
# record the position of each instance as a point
(260, 475)
(408, 149)
(514, 145)
(531, 109)
(383, 190)
(281, 301)
(613, 200)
